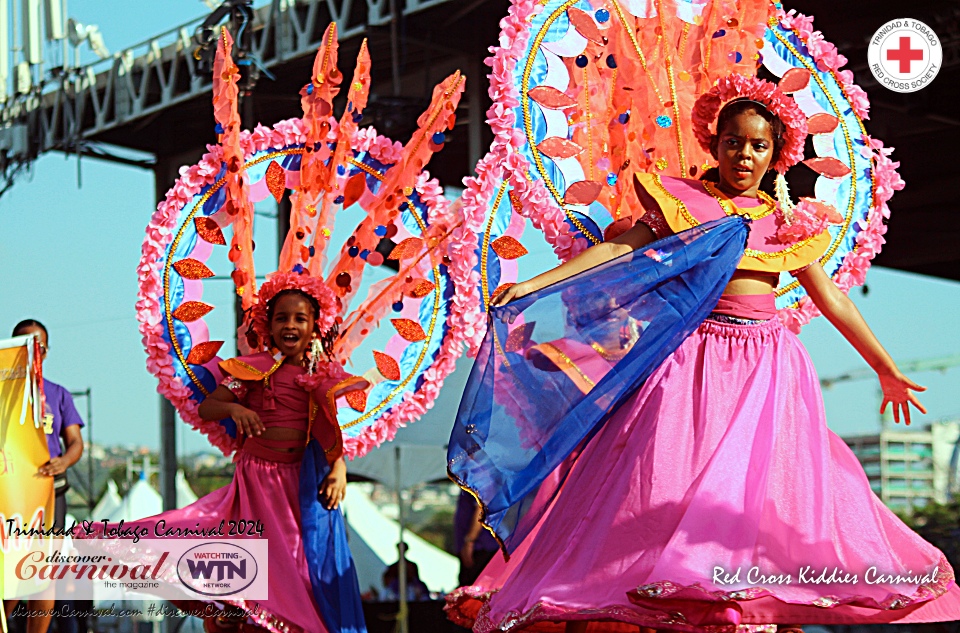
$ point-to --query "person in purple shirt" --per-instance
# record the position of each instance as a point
(60, 421)
(475, 546)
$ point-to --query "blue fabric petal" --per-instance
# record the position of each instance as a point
(522, 415)
(333, 576)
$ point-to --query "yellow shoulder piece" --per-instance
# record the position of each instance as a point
(671, 208)
(241, 370)
(792, 258)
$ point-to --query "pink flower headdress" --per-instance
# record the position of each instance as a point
(305, 283)
(771, 96)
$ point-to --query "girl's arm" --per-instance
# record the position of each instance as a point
(223, 404)
(843, 314)
(632, 239)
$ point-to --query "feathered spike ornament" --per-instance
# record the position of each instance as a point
(783, 197)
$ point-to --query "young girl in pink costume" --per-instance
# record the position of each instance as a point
(714, 496)
(290, 473)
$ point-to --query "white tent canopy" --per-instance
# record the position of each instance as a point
(373, 542)
(144, 501)
(108, 503)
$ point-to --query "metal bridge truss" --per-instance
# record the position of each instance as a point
(162, 72)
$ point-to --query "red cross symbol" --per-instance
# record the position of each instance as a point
(905, 54)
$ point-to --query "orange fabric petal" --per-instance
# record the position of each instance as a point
(822, 123)
(583, 192)
(357, 400)
(508, 247)
(550, 97)
(192, 269)
(354, 190)
(387, 366)
(276, 180)
(409, 329)
(519, 337)
(209, 231)
(407, 248)
(794, 79)
(191, 311)
(556, 147)
(203, 352)
(828, 166)
(421, 288)
(585, 25)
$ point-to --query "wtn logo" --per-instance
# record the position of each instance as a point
(222, 568)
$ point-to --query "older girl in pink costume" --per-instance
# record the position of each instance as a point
(716, 497)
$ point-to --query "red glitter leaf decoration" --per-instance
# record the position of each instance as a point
(556, 147)
(508, 247)
(276, 180)
(409, 329)
(192, 269)
(583, 192)
(794, 79)
(356, 187)
(421, 289)
(518, 339)
(191, 311)
(828, 166)
(209, 231)
(500, 289)
(585, 25)
(387, 367)
(822, 123)
(618, 228)
(550, 97)
(407, 248)
(357, 399)
(203, 352)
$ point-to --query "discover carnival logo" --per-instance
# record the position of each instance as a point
(217, 569)
(905, 55)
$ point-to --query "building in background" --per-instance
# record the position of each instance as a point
(908, 469)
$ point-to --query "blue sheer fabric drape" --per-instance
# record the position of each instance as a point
(555, 364)
(333, 576)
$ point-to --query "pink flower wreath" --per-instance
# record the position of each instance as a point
(307, 284)
(707, 107)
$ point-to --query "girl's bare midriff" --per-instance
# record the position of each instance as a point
(748, 282)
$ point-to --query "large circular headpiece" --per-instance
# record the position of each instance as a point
(765, 93)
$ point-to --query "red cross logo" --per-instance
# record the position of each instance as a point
(905, 54)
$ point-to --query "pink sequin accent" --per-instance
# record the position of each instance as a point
(237, 387)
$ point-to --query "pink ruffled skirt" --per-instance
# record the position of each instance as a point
(715, 498)
(266, 491)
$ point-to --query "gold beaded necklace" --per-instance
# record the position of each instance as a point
(729, 208)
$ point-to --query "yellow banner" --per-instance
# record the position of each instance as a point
(26, 497)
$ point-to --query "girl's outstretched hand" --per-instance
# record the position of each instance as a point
(334, 487)
(897, 391)
(509, 294)
(248, 422)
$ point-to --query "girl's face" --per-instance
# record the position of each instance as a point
(744, 149)
(292, 325)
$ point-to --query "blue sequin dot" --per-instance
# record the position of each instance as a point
(404, 205)
(353, 251)
(381, 231)
(218, 128)
(341, 170)
(312, 250)
(364, 253)
(309, 89)
(398, 306)
(664, 121)
(719, 33)
(582, 61)
(298, 268)
(338, 200)
(623, 118)
(439, 138)
(611, 61)
(602, 15)
(611, 179)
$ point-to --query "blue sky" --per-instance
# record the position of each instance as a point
(68, 258)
